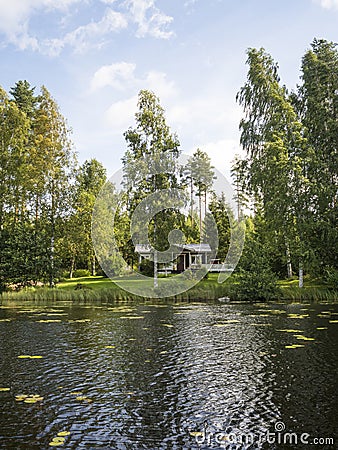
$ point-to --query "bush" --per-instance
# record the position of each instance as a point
(80, 273)
(331, 277)
(147, 267)
(257, 285)
(256, 279)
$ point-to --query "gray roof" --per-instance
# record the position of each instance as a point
(196, 248)
(200, 248)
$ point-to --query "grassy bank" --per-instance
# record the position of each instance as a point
(104, 290)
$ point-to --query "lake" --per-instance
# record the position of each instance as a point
(169, 376)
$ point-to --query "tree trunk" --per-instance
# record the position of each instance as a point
(200, 208)
(93, 266)
(51, 276)
(191, 200)
(71, 269)
(155, 270)
(288, 260)
(301, 279)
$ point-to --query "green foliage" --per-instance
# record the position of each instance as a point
(290, 167)
(147, 267)
(255, 277)
(81, 273)
(331, 277)
(222, 214)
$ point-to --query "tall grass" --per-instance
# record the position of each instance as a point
(204, 291)
(312, 294)
(108, 295)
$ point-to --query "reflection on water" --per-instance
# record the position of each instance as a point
(166, 377)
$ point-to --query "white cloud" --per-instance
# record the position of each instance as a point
(328, 4)
(149, 19)
(89, 35)
(122, 77)
(209, 113)
(120, 115)
(222, 153)
(117, 75)
(15, 18)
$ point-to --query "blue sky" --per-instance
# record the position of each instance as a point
(95, 55)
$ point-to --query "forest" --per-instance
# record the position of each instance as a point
(285, 182)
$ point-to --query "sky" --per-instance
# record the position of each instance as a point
(94, 56)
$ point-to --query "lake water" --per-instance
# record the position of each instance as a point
(176, 376)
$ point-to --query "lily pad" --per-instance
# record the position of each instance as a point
(196, 433)
(291, 331)
(132, 317)
(293, 346)
(57, 441)
(48, 320)
(303, 338)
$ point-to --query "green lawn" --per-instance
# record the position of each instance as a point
(106, 283)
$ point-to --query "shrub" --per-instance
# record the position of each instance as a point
(80, 273)
(331, 277)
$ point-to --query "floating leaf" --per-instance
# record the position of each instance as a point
(63, 433)
(83, 398)
(30, 356)
(20, 397)
(291, 331)
(333, 321)
(321, 328)
(28, 398)
(226, 322)
(196, 433)
(297, 316)
(293, 346)
(109, 346)
(303, 338)
(57, 441)
(132, 317)
(4, 389)
(168, 325)
(163, 353)
(48, 320)
(5, 320)
(76, 393)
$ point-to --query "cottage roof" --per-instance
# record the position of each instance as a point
(193, 248)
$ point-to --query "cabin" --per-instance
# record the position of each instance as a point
(188, 256)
